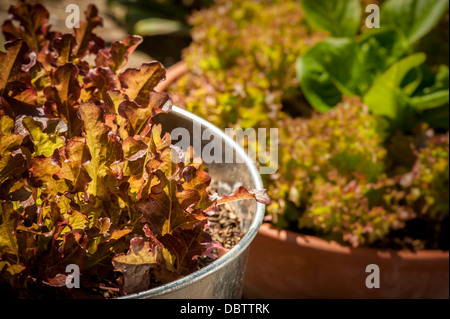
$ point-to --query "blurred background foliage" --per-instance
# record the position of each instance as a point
(352, 172)
(154, 17)
(352, 167)
(162, 23)
(242, 62)
(363, 114)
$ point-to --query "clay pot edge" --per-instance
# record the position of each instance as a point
(297, 239)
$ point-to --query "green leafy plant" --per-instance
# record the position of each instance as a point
(341, 173)
(380, 66)
(86, 176)
(242, 62)
(340, 18)
(334, 182)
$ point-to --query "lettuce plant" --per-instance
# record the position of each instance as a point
(340, 176)
(318, 157)
(335, 181)
(381, 66)
(86, 176)
(394, 190)
(242, 62)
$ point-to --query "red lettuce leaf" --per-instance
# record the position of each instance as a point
(9, 220)
(72, 251)
(116, 57)
(87, 41)
(33, 27)
(186, 244)
(139, 83)
(71, 158)
(135, 266)
(104, 149)
(139, 118)
(99, 81)
(12, 61)
(64, 47)
(62, 97)
(242, 193)
(12, 161)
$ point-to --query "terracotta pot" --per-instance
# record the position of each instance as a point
(284, 264)
(173, 73)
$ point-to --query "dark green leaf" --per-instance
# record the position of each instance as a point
(328, 71)
(340, 18)
(413, 18)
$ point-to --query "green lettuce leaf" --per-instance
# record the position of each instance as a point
(383, 96)
(413, 18)
(104, 149)
(44, 144)
(340, 18)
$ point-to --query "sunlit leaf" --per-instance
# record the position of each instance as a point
(103, 148)
(135, 265)
(44, 144)
(139, 83)
(87, 41)
(8, 225)
(11, 63)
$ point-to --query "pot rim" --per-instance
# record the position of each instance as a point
(317, 243)
(173, 74)
(240, 246)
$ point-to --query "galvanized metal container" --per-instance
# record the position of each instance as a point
(224, 277)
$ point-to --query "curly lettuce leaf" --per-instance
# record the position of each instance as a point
(104, 149)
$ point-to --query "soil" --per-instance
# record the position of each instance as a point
(225, 228)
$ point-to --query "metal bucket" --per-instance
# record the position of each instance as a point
(224, 277)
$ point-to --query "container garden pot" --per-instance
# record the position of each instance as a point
(173, 74)
(224, 277)
(285, 264)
